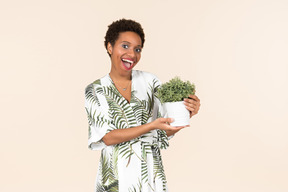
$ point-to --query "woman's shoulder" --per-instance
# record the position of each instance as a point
(97, 83)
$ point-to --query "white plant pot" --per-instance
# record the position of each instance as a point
(178, 112)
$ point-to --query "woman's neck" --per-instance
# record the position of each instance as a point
(120, 78)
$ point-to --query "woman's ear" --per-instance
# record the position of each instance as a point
(109, 48)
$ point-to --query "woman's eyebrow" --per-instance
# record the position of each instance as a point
(126, 42)
(130, 43)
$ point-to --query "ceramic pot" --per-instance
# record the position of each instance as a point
(178, 112)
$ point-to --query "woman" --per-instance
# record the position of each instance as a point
(125, 118)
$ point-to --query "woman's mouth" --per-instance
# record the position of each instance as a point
(128, 64)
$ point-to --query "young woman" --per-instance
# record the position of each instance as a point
(126, 119)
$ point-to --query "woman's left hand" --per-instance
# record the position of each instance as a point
(192, 104)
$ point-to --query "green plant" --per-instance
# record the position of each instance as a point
(175, 90)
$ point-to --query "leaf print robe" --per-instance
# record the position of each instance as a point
(135, 165)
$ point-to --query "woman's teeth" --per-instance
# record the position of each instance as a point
(129, 61)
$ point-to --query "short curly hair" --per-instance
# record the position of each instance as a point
(123, 25)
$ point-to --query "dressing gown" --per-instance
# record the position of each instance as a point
(134, 165)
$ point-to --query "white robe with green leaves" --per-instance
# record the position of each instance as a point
(135, 165)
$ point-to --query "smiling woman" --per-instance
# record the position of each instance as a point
(125, 54)
(126, 119)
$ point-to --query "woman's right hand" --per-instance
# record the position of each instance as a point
(164, 124)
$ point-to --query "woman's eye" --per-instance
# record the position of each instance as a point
(138, 50)
(125, 46)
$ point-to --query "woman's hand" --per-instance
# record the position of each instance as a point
(192, 104)
(164, 124)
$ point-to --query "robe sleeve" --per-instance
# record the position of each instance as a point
(99, 123)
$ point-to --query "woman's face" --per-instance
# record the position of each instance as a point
(125, 53)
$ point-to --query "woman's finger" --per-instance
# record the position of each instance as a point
(194, 97)
(190, 101)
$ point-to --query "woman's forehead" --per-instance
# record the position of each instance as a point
(130, 37)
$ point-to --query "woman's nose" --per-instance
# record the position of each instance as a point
(131, 53)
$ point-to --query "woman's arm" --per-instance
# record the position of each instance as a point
(122, 135)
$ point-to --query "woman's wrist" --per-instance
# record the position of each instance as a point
(151, 126)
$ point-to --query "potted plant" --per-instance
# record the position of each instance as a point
(171, 95)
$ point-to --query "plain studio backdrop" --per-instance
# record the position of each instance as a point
(235, 51)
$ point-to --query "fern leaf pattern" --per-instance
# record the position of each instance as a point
(135, 165)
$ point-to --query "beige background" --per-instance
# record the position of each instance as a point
(234, 51)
